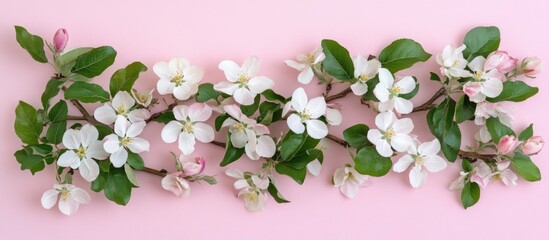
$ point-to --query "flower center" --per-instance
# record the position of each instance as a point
(178, 79)
(126, 141)
(419, 161)
(187, 127)
(142, 97)
(65, 194)
(251, 196)
(239, 127)
(364, 77)
(478, 75)
(389, 133)
(455, 63)
(81, 152)
(121, 110)
(305, 115)
(243, 79)
(396, 90)
(311, 58)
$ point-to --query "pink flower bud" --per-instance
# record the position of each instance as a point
(531, 66)
(471, 88)
(60, 40)
(501, 61)
(194, 168)
(533, 145)
(507, 144)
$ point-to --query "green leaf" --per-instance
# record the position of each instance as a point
(466, 166)
(231, 153)
(250, 109)
(465, 109)
(130, 173)
(135, 160)
(291, 144)
(402, 54)
(411, 94)
(103, 130)
(526, 133)
(297, 175)
(52, 89)
(481, 41)
(357, 136)
(273, 190)
(94, 62)
(206, 92)
(68, 59)
(34, 157)
(269, 112)
(165, 117)
(117, 187)
(515, 91)
(369, 162)
(338, 62)
(451, 143)
(99, 183)
(27, 126)
(270, 95)
(441, 124)
(370, 96)
(497, 129)
(525, 167)
(470, 194)
(32, 43)
(58, 119)
(87, 92)
(219, 121)
(123, 79)
(434, 77)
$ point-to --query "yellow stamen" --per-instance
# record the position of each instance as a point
(177, 79)
(81, 152)
(389, 133)
(126, 141)
(65, 194)
(396, 90)
(243, 78)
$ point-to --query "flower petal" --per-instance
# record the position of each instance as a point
(403, 163)
(259, 84)
(89, 134)
(251, 66)
(314, 167)
(162, 70)
(333, 116)
(417, 177)
(381, 92)
(349, 189)
(406, 84)
(68, 206)
(299, 99)
(49, 198)
(193, 74)
(181, 112)
(434, 163)
(403, 106)
(96, 151)
(384, 148)
(164, 86)
(138, 145)
(266, 146)
(68, 158)
(429, 148)
(359, 88)
(234, 173)
(105, 114)
(231, 70)
(171, 131)
(226, 87)
(244, 96)
(138, 115)
(492, 87)
(89, 170)
(119, 157)
(186, 143)
(123, 100)
(121, 126)
(317, 129)
(296, 65)
(135, 129)
(306, 75)
(185, 91)
(72, 139)
(404, 126)
(199, 112)
(401, 142)
(239, 139)
(203, 132)
(385, 79)
(295, 124)
(316, 107)
(384, 120)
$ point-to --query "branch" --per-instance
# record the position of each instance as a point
(161, 172)
(339, 95)
(431, 102)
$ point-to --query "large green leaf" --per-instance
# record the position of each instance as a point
(470, 194)
(32, 43)
(369, 162)
(525, 167)
(357, 136)
(34, 157)
(135, 160)
(528, 132)
(123, 79)
(68, 59)
(87, 92)
(481, 41)
(515, 91)
(497, 129)
(338, 62)
(27, 126)
(291, 144)
(441, 124)
(465, 109)
(118, 187)
(94, 62)
(402, 54)
(297, 175)
(58, 125)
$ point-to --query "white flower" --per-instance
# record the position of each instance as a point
(143, 98)
(243, 83)
(333, 114)
(452, 62)
(348, 180)
(123, 139)
(424, 157)
(485, 84)
(315, 166)
(189, 125)
(459, 183)
(122, 105)
(71, 197)
(504, 174)
(392, 132)
(388, 92)
(364, 71)
(251, 188)
(178, 77)
(485, 110)
(305, 64)
(306, 113)
(83, 147)
(246, 132)
(176, 184)
(483, 135)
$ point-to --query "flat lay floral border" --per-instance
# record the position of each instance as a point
(104, 146)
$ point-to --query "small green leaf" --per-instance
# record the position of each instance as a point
(515, 91)
(338, 62)
(525, 167)
(251, 109)
(402, 54)
(165, 117)
(470, 194)
(297, 175)
(291, 144)
(68, 59)
(231, 153)
(52, 89)
(526, 133)
(206, 92)
(273, 190)
(434, 77)
(466, 165)
(465, 109)
(130, 173)
(369, 162)
(58, 126)
(27, 126)
(99, 183)
(357, 136)
(123, 79)
(219, 121)
(87, 92)
(33, 157)
(32, 43)
(92, 63)
(497, 129)
(481, 41)
(135, 160)
(270, 95)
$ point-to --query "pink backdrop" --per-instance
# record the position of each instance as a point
(211, 31)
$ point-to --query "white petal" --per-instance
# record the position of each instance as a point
(96, 151)
(250, 151)
(199, 112)
(239, 139)
(123, 100)
(299, 99)
(251, 66)
(68, 207)
(317, 129)
(381, 92)
(403, 106)
(492, 87)
(193, 74)
(138, 145)
(49, 198)
(105, 114)
(162, 70)
(203, 132)
(417, 177)
(244, 96)
(234, 111)
(231, 70)
(374, 136)
(384, 148)
(89, 134)
(261, 183)
(384, 120)
(359, 63)
(295, 124)
(477, 64)
(241, 184)
(266, 147)
(72, 139)
(349, 189)
(68, 158)
(340, 176)
(234, 173)
(138, 115)
(181, 112)
(385, 78)
(407, 84)
(316, 107)
(429, 148)
(401, 142)
(434, 163)
(333, 116)
(164, 86)
(259, 84)
(226, 87)
(403, 163)
(306, 76)
(185, 91)
(135, 129)
(119, 157)
(296, 65)
(89, 170)
(314, 167)
(171, 131)
(121, 126)
(186, 143)
(404, 126)
(112, 144)
(359, 88)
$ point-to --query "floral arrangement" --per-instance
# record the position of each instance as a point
(477, 81)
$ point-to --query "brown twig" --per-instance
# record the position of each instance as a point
(431, 102)
(339, 95)
(161, 172)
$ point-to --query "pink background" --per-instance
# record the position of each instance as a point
(207, 32)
